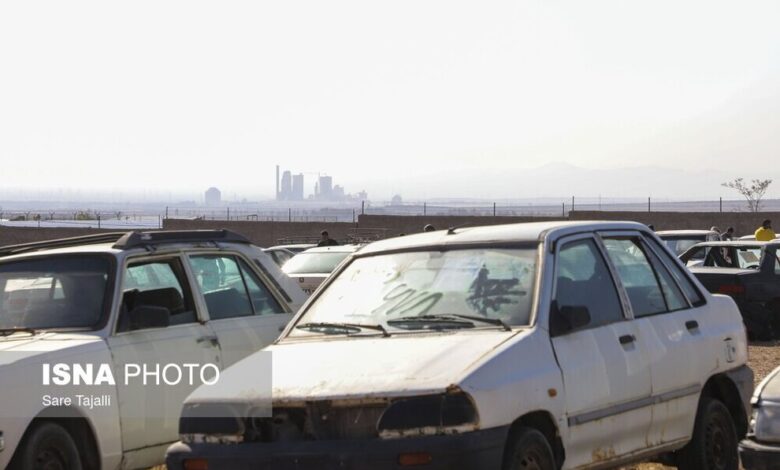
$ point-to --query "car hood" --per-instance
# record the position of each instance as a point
(769, 388)
(23, 345)
(360, 367)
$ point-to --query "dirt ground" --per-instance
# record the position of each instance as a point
(764, 358)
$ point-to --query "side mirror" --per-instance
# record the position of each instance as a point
(148, 316)
(568, 318)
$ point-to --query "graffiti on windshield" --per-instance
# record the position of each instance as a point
(404, 299)
(490, 295)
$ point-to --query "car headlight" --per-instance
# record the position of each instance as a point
(766, 421)
(432, 414)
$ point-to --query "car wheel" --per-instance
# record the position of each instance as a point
(528, 450)
(48, 446)
(714, 442)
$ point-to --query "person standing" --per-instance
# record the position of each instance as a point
(765, 232)
(326, 240)
(728, 235)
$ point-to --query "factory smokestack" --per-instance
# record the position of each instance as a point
(277, 182)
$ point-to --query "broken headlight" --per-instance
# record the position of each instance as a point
(432, 414)
(766, 422)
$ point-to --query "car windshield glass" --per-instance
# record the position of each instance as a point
(66, 292)
(681, 245)
(491, 283)
(322, 262)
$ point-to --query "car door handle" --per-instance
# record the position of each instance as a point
(627, 339)
(213, 340)
(691, 324)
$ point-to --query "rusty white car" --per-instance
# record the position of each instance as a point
(80, 318)
(760, 450)
(528, 346)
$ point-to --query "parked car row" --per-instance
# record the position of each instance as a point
(545, 345)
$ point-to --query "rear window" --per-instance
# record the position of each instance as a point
(314, 262)
(680, 245)
(66, 292)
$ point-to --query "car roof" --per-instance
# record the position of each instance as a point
(333, 249)
(122, 242)
(507, 233)
(740, 243)
(662, 233)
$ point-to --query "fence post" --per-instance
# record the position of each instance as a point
(425, 208)
(648, 204)
(362, 207)
(563, 209)
(572, 204)
(494, 209)
(289, 214)
(98, 217)
(228, 214)
(721, 205)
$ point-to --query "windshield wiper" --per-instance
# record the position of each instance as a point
(440, 320)
(461, 320)
(356, 327)
(492, 321)
(16, 329)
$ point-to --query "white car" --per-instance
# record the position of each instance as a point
(77, 316)
(680, 240)
(311, 267)
(761, 449)
(527, 346)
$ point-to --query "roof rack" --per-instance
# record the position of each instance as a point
(145, 239)
(61, 243)
(128, 240)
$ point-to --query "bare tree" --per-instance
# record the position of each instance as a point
(753, 192)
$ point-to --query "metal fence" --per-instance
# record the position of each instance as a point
(122, 216)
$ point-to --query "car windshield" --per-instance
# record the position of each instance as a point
(314, 262)
(401, 290)
(680, 245)
(65, 292)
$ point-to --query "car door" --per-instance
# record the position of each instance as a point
(149, 406)
(675, 331)
(603, 363)
(242, 308)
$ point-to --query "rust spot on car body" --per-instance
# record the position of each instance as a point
(603, 454)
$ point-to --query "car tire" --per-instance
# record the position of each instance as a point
(47, 446)
(714, 442)
(528, 450)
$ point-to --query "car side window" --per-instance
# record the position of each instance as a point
(230, 288)
(262, 299)
(155, 294)
(680, 276)
(580, 272)
(222, 285)
(675, 300)
(637, 276)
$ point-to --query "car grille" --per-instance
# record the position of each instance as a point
(316, 421)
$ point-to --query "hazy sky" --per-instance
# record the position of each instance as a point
(385, 96)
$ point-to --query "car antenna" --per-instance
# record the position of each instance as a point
(451, 230)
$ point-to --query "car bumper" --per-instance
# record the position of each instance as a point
(473, 450)
(757, 456)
